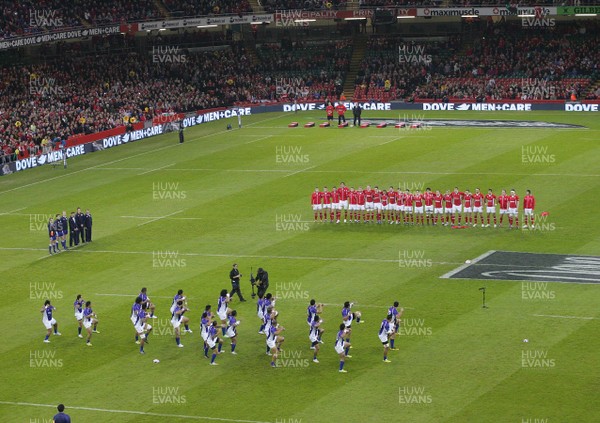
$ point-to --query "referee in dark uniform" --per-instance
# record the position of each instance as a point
(235, 277)
(262, 281)
(357, 111)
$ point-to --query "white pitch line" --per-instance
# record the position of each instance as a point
(15, 212)
(464, 266)
(299, 171)
(166, 218)
(214, 255)
(564, 317)
(156, 169)
(260, 139)
(141, 413)
(376, 172)
(160, 217)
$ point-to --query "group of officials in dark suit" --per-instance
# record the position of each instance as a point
(80, 227)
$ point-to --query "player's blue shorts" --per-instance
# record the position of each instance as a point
(60, 233)
(52, 237)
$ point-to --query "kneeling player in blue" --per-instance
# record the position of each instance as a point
(49, 321)
(212, 342)
(384, 332)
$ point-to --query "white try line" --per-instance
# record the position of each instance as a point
(299, 171)
(564, 317)
(160, 217)
(156, 169)
(14, 212)
(464, 266)
(250, 256)
(375, 172)
(140, 413)
(166, 218)
(260, 139)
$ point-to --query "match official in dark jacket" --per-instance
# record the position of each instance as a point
(357, 111)
(80, 219)
(87, 221)
(235, 277)
(73, 230)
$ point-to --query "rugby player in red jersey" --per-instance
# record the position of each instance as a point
(368, 203)
(468, 207)
(419, 208)
(408, 207)
(448, 207)
(503, 203)
(428, 201)
(360, 205)
(438, 207)
(393, 204)
(490, 207)
(513, 208)
(377, 203)
(344, 193)
(315, 201)
(478, 207)
(528, 208)
(457, 197)
(336, 207)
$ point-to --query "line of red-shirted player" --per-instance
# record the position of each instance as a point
(397, 206)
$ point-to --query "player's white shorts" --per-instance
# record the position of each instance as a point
(408, 209)
(353, 207)
(316, 207)
(222, 315)
(313, 337)
(489, 209)
(87, 323)
(419, 210)
(344, 204)
(211, 342)
(528, 212)
(50, 323)
(429, 209)
(438, 210)
(271, 343)
(79, 315)
(327, 206)
(386, 207)
(456, 209)
(230, 333)
(336, 206)
(172, 309)
(339, 348)
(512, 211)
(267, 328)
(361, 207)
(142, 327)
(378, 206)
(477, 209)
(204, 334)
(260, 314)
(348, 322)
(383, 337)
(503, 211)
(369, 205)
(468, 210)
(175, 323)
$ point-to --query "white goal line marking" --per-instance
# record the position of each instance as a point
(142, 413)
(160, 217)
(564, 317)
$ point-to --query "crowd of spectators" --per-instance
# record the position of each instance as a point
(303, 70)
(502, 63)
(207, 7)
(77, 95)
